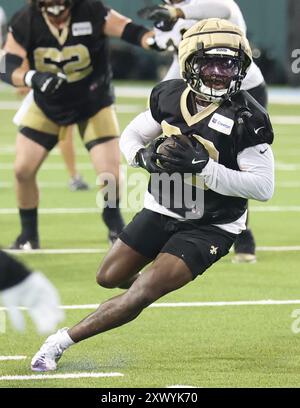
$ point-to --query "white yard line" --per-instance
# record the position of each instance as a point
(276, 95)
(66, 211)
(59, 251)
(285, 120)
(130, 108)
(12, 358)
(57, 185)
(263, 302)
(82, 251)
(46, 185)
(181, 386)
(88, 166)
(58, 376)
(135, 109)
(50, 166)
(287, 166)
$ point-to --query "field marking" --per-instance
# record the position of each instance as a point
(45, 185)
(58, 376)
(285, 120)
(82, 251)
(135, 109)
(12, 358)
(51, 166)
(121, 108)
(58, 251)
(282, 96)
(70, 211)
(181, 386)
(88, 166)
(287, 166)
(264, 302)
(57, 185)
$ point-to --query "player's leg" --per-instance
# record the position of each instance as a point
(187, 253)
(100, 135)
(165, 275)
(37, 137)
(244, 246)
(67, 148)
(29, 157)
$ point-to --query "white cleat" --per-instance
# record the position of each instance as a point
(51, 351)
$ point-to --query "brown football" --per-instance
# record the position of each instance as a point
(168, 142)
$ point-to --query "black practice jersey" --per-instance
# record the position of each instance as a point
(223, 132)
(80, 51)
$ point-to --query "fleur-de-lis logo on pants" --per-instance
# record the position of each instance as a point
(214, 250)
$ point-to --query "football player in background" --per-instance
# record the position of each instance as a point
(66, 145)
(171, 21)
(66, 44)
(212, 136)
(21, 287)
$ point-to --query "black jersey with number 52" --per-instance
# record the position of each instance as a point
(80, 51)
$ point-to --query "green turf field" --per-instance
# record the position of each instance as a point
(212, 345)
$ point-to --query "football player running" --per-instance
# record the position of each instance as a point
(220, 135)
(66, 44)
(171, 21)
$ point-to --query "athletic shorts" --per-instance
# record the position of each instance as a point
(151, 233)
(100, 128)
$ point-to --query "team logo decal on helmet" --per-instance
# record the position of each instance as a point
(214, 58)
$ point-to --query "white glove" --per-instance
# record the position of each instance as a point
(40, 297)
(166, 39)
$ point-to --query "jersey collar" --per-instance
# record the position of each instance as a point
(62, 36)
(193, 119)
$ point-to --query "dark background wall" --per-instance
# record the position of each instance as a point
(273, 29)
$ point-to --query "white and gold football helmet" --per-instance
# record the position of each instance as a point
(214, 57)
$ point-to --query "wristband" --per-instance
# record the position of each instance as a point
(28, 78)
(134, 33)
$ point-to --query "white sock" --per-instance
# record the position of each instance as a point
(65, 340)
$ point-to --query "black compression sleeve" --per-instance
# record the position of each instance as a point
(133, 33)
(8, 64)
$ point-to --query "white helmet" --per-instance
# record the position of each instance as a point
(214, 58)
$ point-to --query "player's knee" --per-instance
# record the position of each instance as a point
(106, 279)
(23, 173)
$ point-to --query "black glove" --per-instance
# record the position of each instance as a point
(158, 13)
(147, 156)
(258, 126)
(185, 156)
(45, 82)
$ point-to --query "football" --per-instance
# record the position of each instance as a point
(170, 142)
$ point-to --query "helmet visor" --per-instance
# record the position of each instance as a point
(216, 72)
